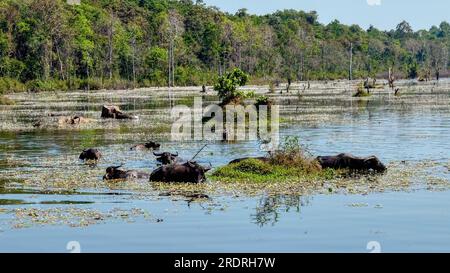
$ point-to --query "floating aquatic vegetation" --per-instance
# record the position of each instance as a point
(73, 216)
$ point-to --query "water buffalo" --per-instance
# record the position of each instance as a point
(146, 146)
(90, 154)
(167, 158)
(114, 112)
(262, 158)
(114, 173)
(189, 172)
(348, 161)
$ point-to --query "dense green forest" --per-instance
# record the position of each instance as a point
(49, 45)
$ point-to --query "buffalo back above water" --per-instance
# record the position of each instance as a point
(114, 173)
(348, 161)
(114, 112)
(189, 172)
(146, 146)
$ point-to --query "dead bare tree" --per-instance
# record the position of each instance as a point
(110, 33)
(175, 30)
(391, 78)
(369, 85)
(350, 71)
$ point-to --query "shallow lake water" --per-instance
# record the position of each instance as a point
(48, 198)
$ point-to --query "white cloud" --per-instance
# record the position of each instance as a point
(374, 2)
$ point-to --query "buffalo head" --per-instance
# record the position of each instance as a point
(372, 162)
(166, 158)
(152, 145)
(198, 171)
(113, 173)
(90, 154)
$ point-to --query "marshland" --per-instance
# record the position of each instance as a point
(48, 197)
(79, 75)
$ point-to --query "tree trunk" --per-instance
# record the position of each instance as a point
(110, 46)
(133, 61)
(350, 71)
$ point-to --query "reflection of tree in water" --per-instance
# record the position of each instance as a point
(270, 207)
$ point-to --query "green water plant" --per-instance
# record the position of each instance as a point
(227, 86)
(289, 163)
(361, 92)
(9, 85)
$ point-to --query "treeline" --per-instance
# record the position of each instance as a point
(51, 45)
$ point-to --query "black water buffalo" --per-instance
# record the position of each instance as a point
(348, 161)
(146, 146)
(167, 158)
(90, 154)
(262, 158)
(189, 172)
(114, 173)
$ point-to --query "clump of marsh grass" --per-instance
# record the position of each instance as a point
(292, 154)
(361, 92)
(290, 163)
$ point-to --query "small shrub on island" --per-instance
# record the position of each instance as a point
(227, 85)
(289, 163)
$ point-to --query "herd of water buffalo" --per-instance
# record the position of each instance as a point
(173, 169)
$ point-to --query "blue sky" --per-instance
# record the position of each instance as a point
(383, 14)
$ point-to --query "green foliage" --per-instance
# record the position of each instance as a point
(291, 145)
(412, 70)
(156, 61)
(10, 67)
(227, 85)
(254, 166)
(118, 44)
(49, 85)
(292, 154)
(252, 170)
(262, 100)
(285, 165)
(8, 85)
(361, 92)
